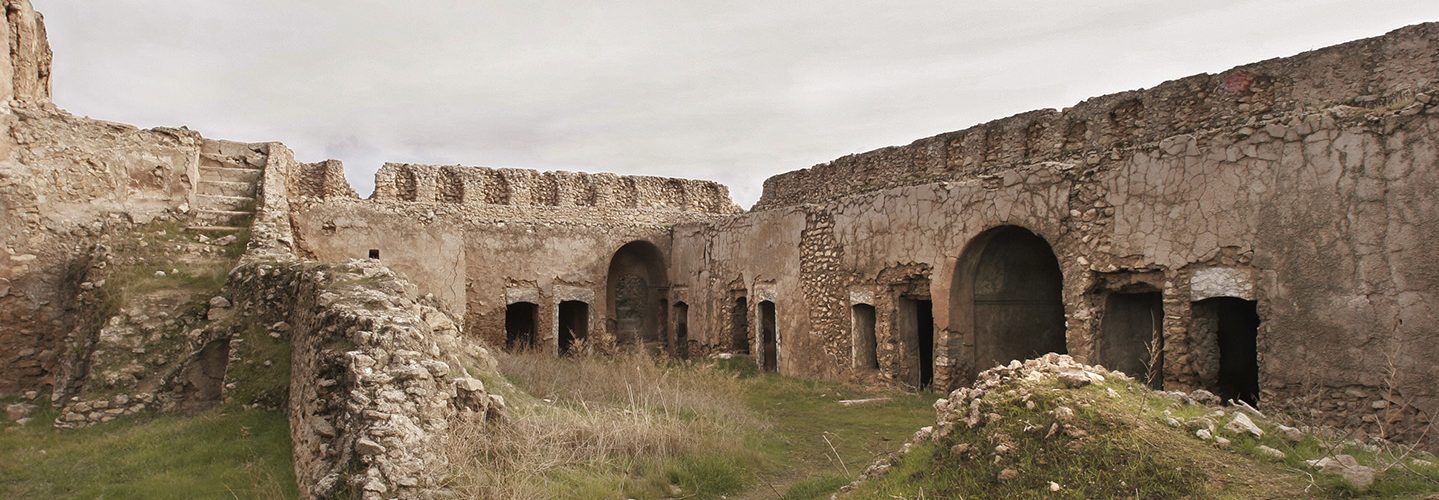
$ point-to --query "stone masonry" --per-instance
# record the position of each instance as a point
(1262, 233)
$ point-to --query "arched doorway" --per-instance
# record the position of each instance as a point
(1007, 299)
(636, 288)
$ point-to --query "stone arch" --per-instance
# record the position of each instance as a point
(636, 285)
(1007, 298)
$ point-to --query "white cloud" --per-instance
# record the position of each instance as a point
(732, 91)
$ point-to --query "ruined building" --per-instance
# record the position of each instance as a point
(1265, 232)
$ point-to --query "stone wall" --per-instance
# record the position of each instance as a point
(376, 377)
(1362, 73)
(480, 239)
(523, 188)
(1305, 184)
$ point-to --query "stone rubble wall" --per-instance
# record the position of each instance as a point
(1362, 72)
(1305, 184)
(526, 188)
(64, 182)
(376, 376)
(377, 371)
(25, 74)
(472, 257)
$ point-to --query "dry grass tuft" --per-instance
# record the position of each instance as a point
(592, 420)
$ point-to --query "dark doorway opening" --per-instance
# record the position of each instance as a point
(1131, 338)
(574, 322)
(1008, 296)
(739, 326)
(1237, 324)
(636, 287)
(682, 330)
(521, 321)
(916, 335)
(769, 336)
(862, 320)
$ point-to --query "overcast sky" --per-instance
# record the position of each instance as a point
(732, 91)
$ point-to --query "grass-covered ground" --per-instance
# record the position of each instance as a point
(1127, 446)
(218, 454)
(634, 427)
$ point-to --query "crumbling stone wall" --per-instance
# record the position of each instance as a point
(64, 182)
(1307, 181)
(479, 239)
(520, 187)
(376, 377)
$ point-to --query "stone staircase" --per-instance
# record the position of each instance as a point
(225, 201)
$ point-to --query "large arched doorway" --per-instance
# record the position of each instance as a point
(636, 289)
(1007, 300)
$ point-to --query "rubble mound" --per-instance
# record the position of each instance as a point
(1053, 426)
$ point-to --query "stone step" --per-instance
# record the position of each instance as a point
(228, 174)
(221, 217)
(224, 202)
(227, 188)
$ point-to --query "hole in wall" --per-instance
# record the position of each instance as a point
(1233, 324)
(521, 322)
(769, 337)
(916, 335)
(1131, 336)
(862, 322)
(682, 330)
(574, 323)
(374, 253)
(739, 325)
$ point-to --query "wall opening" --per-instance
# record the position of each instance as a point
(574, 323)
(739, 326)
(1235, 326)
(862, 322)
(521, 322)
(204, 378)
(636, 287)
(769, 337)
(915, 328)
(682, 330)
(374, 253)
(1008, 298)
(1131, 337)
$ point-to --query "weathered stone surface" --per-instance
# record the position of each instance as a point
(1241, 424)
(1344, 466)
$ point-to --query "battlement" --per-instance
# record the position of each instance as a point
(1362, 73)
(396, 182)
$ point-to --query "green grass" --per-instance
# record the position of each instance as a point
(1128, 451)
(815, 445)
(213, 455)
(256, 383)
(688, 430)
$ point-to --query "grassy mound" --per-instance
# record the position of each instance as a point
(1055, 428)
